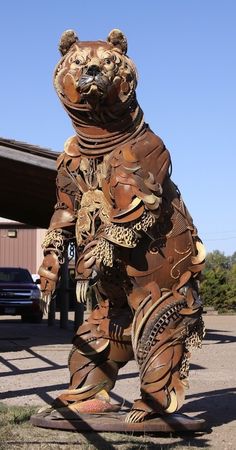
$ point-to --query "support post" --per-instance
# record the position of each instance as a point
(64, 293)
(79, 315)
(52, 312)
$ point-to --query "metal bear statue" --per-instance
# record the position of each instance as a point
(137, 246)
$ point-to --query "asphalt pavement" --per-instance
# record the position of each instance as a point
(33, 371)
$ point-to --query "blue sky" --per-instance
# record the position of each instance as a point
(185, 54)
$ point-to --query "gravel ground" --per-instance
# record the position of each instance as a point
(33, 371)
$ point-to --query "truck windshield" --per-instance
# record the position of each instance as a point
(12, 275)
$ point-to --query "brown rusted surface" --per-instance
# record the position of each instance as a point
(116, 422)
(137, 247)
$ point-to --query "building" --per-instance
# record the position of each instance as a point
(20, 245)
(27, 182)
(27, 186)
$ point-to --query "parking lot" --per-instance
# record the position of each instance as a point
(33, 371)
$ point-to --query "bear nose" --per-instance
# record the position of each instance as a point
(93, 70)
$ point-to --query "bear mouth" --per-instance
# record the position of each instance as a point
(93, 86)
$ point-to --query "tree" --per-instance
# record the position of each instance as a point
(218, 288)
(231, 282)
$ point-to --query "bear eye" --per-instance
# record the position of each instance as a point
(108, 61)
(77, 61)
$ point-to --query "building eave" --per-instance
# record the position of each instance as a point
(27, 182)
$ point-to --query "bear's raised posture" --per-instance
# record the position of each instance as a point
(136, 243)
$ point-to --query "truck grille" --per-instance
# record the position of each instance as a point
(20, 294)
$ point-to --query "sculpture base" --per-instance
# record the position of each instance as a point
(115, 421)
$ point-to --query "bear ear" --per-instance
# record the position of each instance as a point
(68, 38)
(118, 39)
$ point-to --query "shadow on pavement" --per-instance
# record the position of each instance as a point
(216, 407)
(220, 338)
(16, 335)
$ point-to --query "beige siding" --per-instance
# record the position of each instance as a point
(19, 251)
(39, 251)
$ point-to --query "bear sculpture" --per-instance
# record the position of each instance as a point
(137, 247)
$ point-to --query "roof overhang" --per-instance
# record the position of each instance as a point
(27, 182)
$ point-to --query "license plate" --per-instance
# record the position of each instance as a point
(10, 310)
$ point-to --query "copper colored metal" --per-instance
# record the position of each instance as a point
(137, 246)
